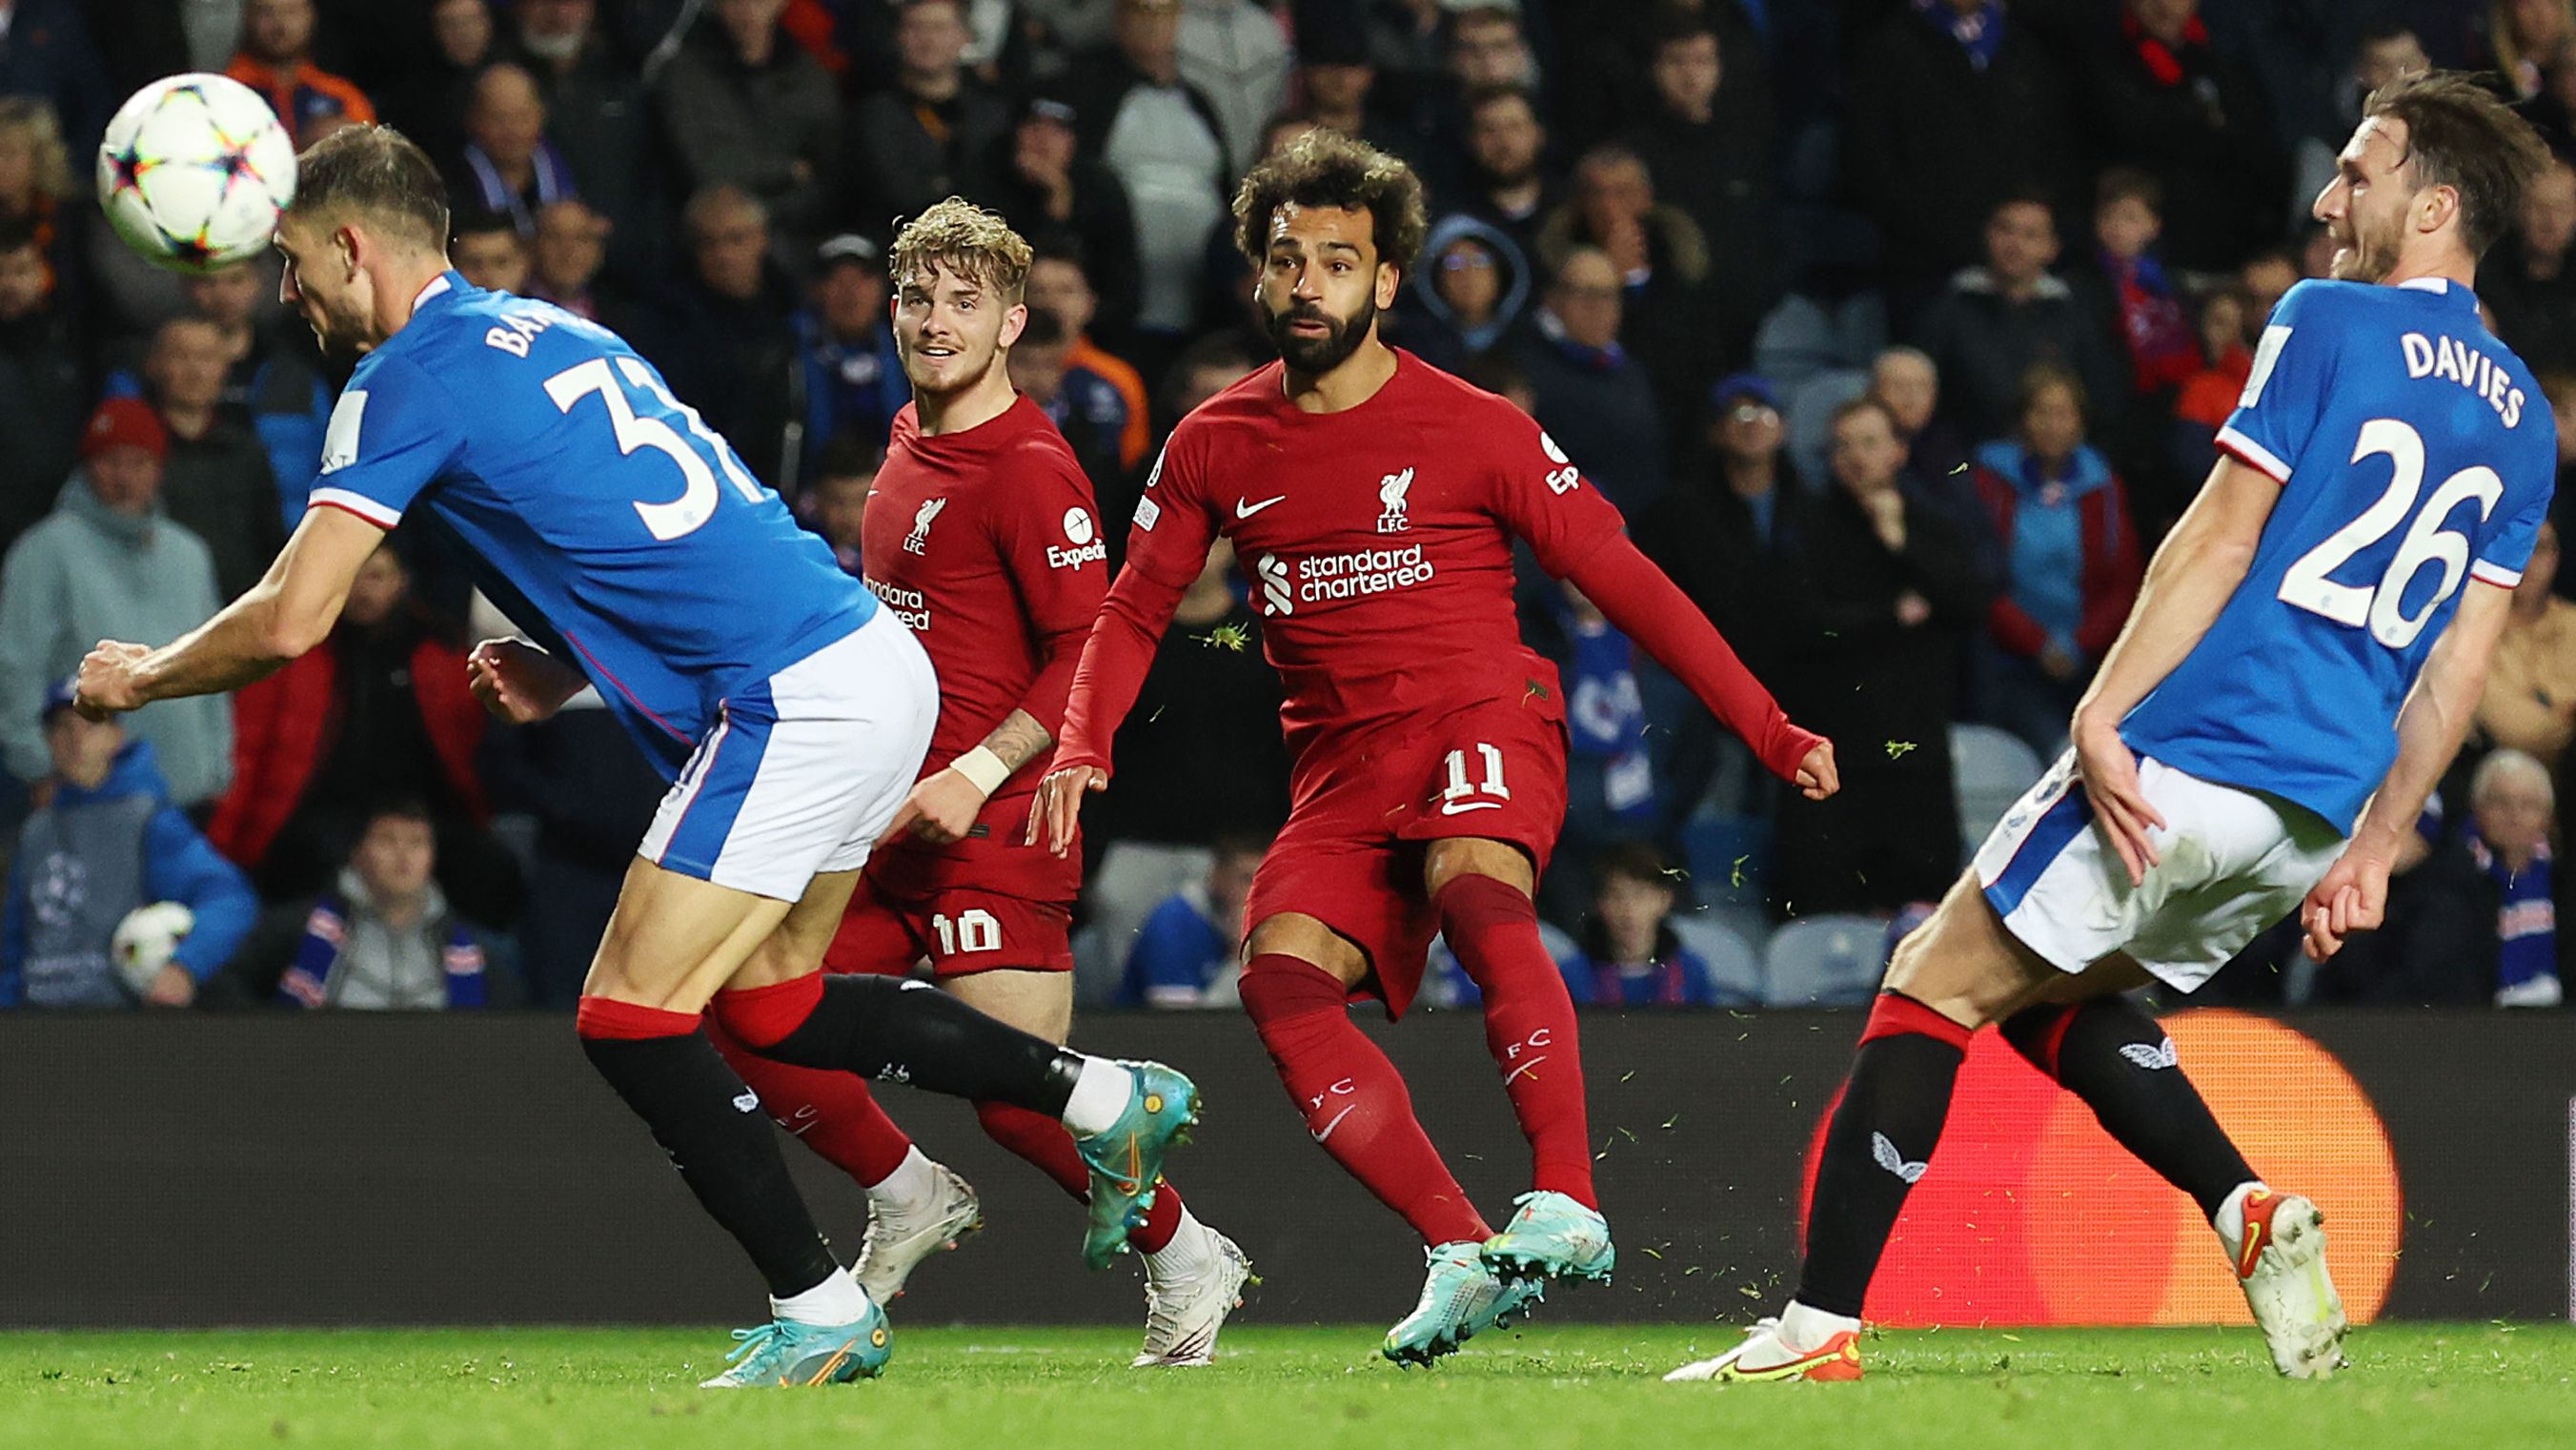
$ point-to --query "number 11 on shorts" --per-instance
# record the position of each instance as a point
(1463, 795)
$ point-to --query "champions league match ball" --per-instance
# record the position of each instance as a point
(194, 171)
(145, 940)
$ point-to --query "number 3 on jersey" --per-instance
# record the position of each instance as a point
(2380, 607)
(697, 500)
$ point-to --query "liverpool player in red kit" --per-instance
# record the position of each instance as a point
(1373, 501)
(980, 535)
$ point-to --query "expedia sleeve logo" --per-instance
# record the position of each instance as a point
(1087, 547)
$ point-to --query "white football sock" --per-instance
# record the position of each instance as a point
(1191, 1252)
(1805, 1330)
(837, 1300)
(910, 1186)
(2230, 1221)
(1100, 1097)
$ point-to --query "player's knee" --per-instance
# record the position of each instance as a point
(1468, 858)
(1304, 939)
(1276, 988)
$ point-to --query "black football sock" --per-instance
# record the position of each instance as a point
(715, 1132)
(900, 1031)
(2122, 1065)
(1882, 1137)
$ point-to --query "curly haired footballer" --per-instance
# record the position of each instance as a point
(1328, 169)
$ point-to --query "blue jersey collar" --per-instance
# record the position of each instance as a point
(444, 284)
(2444, 288)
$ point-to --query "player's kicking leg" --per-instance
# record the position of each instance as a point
(1960, 970)
(1482, 890)
(1296, 988)
(1194, 1275)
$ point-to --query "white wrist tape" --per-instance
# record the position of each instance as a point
(983, 767)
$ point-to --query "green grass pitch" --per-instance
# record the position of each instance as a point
(1308, 1388)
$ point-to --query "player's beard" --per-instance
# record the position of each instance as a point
(1315, 356)
(2366, 258)
(340, 332)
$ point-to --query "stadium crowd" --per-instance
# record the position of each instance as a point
(1899, 329)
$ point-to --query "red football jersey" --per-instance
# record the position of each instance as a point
(1377, 540)
(985, 543)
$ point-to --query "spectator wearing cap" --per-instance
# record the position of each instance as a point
(1470, 296)
(507, 165)
(108, 563)
(276, 60)
(932, 133)
(850, 378)
(1593, 397)
(1060, 283)
(2071, 561)
(103, 842)
(1161, 136)
(1066, 202)
(216, 480)
(1720, 532)
(743, 106)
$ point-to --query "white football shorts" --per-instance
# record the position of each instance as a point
(2230, 863)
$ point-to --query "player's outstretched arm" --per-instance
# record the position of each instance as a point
(285, 614)
(2354, 894)
(1652, 610)
(2191, 579)
(1114, 664)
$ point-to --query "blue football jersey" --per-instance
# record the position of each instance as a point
(561, 458)
(2415, 454)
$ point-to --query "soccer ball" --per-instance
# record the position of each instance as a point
(194, 171)
(145, 940)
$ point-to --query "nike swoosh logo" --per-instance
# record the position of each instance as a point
(1526, 1066)
(1244, 510)
(1460, 808)
(1335, 1123)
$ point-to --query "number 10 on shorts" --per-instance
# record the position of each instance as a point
(1462, 795)
(967, 931)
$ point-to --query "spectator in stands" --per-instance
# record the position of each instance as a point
(103, 842)
(2169, 100)
(1906, 382)
(380, 711)
(2528, 282)
(746, 109)
(1508, 184)
(2560, 390)
(1955, 106)
(273, 380)
(1339, 85)
(1162, 138)
(1206, 368)
(383, 938)
(1060, 282)
(2126, 288)
(45, 54)
(593, 796)
(836, 502)
(1887, 587)
(1662, 261)
(853, 382)
(276, 60)
(1722, 533)
(1199, 758)
(37, 188)
(2265, 277)
(930, 135)
(1187, 952)
(2071, 561)
(489, 252)
(2210, 393)
(1069, 204)
(565, 255)
(1470, 296)
(1631, 956)
(1083, 406)
(1998, 321)
(41, 385)
(596, 117)
(108, 563)
(1711, 158)
(1487, 46)
(1594, 398)
(2526, 35)
(2511, 805)
(729, 344)
(2383, 51)
(215, 481)
(507, 165)
(431, 102)
(1236, 53)
(1611, 788)
(2530, 699)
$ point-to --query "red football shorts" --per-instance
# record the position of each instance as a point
(1351, 855)
(960, 931)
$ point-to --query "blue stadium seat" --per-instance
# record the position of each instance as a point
(1734, 969)
(1811, 419)
(1795, 342)
(1825, 961)
(1993, 767)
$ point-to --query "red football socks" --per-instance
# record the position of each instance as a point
(1529, 1026)
(831, 1112)
(1355, 1105)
